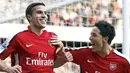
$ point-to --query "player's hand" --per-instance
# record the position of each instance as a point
(69, 56)
(14, 69)
(55, 41)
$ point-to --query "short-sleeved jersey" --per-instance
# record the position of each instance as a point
(34, 53)
(91, 62)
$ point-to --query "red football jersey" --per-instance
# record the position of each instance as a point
(34, 53)
(91, 62)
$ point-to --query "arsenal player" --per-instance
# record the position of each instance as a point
(101, 58)
(31, 49)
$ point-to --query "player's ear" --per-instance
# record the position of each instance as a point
(105, 39)
(29, 17)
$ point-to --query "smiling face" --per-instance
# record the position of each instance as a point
(97, 40)
(38, 18)
(101, 36)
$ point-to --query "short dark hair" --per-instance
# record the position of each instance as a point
(106, 29)
(30, 7)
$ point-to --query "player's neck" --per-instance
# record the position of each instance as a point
(105, 51)
(36, 31)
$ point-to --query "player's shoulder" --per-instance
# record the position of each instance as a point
(121, 56)
(18, 34)
(10, 39)
(49, 34)
(21, 33)
(52, 33)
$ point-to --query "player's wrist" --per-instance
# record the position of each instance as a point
(5, 69)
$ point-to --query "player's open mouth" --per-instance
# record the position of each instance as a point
(92, 44)
(43, 21)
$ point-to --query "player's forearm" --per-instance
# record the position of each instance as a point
(59, 62)
(61, 59)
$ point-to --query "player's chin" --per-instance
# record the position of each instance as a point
(93, 49)
(43, 25)
(93, 46)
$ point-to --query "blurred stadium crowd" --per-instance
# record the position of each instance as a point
(86, 13)
(80, 13)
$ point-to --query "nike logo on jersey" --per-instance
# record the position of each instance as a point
(89, 61)
(29, 45)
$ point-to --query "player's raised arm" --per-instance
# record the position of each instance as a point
(62, 56)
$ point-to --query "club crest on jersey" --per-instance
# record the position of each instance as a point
(112, 66)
